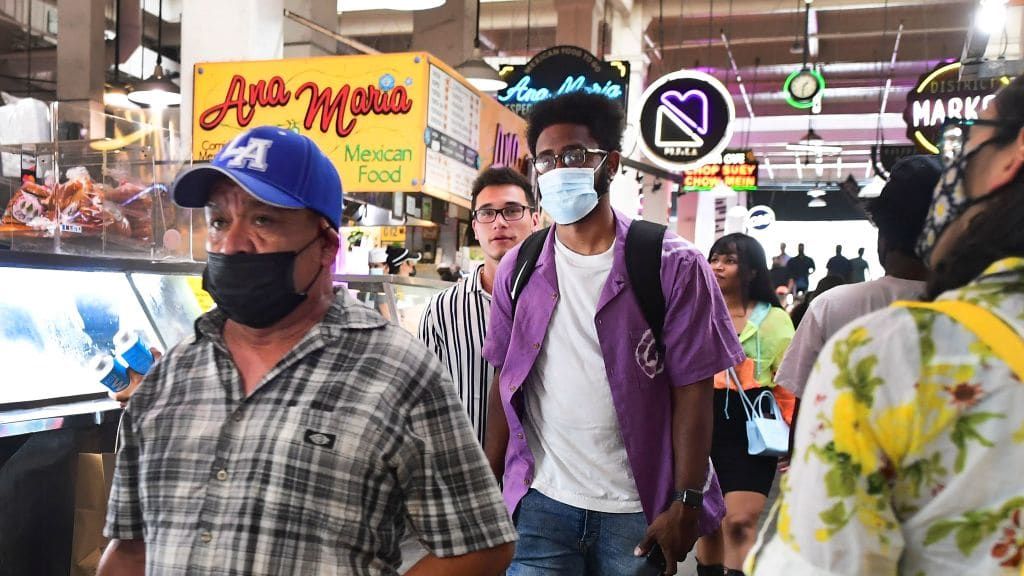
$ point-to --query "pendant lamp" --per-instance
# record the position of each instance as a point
(116, 94)
(477, 71)
(157, 91)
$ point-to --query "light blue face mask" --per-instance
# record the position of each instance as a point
(567, 194)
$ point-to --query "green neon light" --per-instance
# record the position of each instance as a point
(802, 104)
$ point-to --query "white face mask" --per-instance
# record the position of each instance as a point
(568, 194)
(376, 271)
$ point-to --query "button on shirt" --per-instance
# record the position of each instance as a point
(453, 326)
(354, 432)
(699, 341)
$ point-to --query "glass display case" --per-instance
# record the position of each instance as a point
(97, 197)
(60, 311)
(400, 299)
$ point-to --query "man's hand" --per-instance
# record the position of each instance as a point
(135, 379)
(675, 531)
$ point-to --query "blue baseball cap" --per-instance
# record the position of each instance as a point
(277, 166)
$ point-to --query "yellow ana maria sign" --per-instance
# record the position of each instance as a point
(367, 113)
(389, 122)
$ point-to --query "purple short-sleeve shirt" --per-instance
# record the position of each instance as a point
(699, 342)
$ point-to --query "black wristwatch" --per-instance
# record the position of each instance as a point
(689, 498)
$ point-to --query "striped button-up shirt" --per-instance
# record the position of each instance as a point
(355, 433)
(454, 326)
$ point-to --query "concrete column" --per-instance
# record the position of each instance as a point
(579, 23)
(256, 33)
(300, 41)
(657, 202)
(627, 44)
(686, 215)
(447, 31)
(81, 61)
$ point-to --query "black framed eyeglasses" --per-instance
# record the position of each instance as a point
(570, 157)
(510, 213)
(956, 132)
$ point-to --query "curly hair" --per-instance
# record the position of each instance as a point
(604, 118)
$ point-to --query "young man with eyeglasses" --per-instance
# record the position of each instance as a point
(601, 430)
(454, 323)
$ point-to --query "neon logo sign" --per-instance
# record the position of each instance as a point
(523, 93)
(940, 95)
(562, 70)
(686, 118)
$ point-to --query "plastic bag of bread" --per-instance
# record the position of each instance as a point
(80, 200)
(31, 208)
(136, 204)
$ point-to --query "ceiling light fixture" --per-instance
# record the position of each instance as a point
(813, 143)
(991, 16)
(816, 193)
(477, 71)
(399, 5)
(157, 91)
(817, 203)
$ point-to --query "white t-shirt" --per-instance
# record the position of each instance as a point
(828, 313)
(571, 425)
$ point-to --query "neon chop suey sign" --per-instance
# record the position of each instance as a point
(342, 109)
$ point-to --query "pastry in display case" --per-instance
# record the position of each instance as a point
(82, 198)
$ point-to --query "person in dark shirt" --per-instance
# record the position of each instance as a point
(800, 268)
(839, 265)
(859, 268)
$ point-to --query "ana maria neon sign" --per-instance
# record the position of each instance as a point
(524, 93)
(562, 70)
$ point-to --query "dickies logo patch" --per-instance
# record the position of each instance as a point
(321, 439)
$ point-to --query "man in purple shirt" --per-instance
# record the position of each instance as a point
(603, 447)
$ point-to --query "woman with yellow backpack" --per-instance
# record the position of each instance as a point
(911, 431)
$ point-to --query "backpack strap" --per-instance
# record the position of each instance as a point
(526, 261)
(991, 330)
(643, 264)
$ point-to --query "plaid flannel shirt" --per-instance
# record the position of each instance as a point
(354, 433)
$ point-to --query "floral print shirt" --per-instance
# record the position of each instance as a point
(909, 455)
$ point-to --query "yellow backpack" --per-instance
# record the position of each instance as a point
(992, 331)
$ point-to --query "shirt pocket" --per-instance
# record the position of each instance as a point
(321, 468)
(647, 361)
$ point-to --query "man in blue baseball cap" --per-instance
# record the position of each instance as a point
(297, 432)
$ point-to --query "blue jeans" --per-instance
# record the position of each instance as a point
(558, 539)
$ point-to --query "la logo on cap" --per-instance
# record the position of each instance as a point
(253, 156)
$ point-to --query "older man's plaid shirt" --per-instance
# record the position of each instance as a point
(357, 430)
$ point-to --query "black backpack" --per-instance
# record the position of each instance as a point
(643, 265)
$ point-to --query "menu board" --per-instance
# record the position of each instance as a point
(452, 135)
(454, 109)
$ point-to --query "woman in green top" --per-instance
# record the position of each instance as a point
(765, 330)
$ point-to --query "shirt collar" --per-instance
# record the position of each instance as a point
(622, 223)
(344, 314)
(474, 282)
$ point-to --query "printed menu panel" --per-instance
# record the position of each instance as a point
(454, 109)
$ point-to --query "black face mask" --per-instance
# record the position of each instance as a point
(255, 290)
